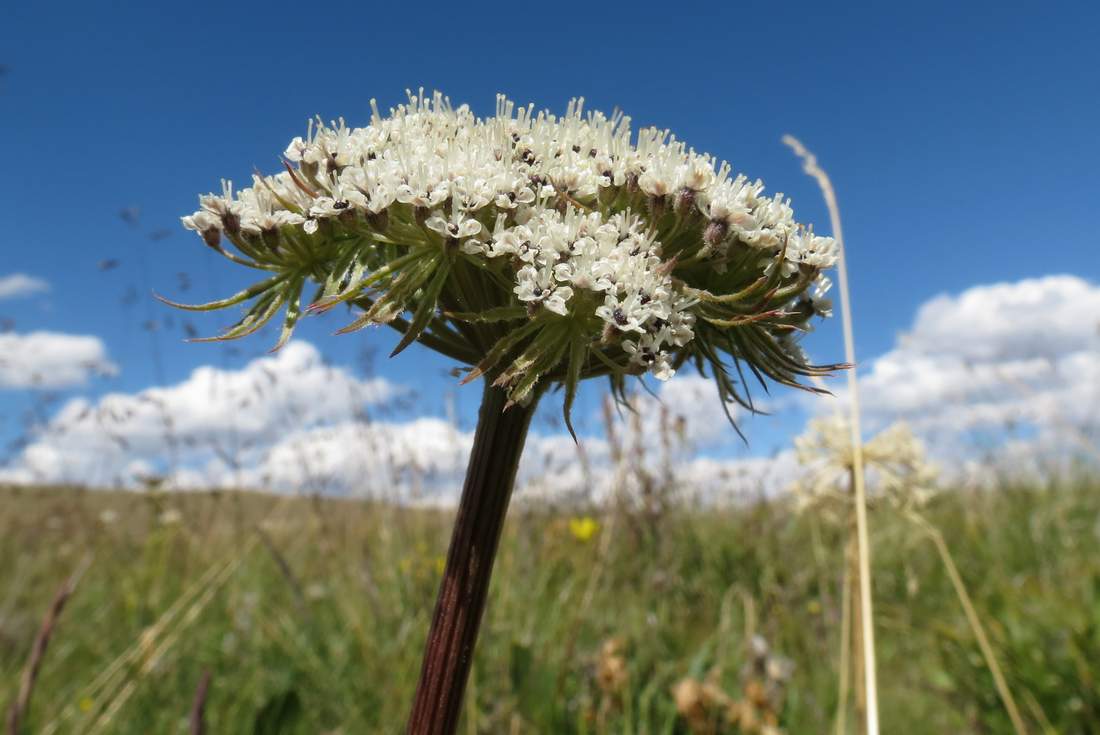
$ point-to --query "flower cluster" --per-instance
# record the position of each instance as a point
(529, 245)
(897, 471)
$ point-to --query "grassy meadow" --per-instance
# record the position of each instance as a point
(309, 614)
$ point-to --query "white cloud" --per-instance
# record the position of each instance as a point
(660, 443)
(724, 480)
(51, 360)
(290, 423)
(213, 426)
(1026, 353)
(693, 400)
(1034, 317)
(18, 285)
(416, 460)
(1009, 356)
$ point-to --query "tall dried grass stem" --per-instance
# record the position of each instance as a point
(844, 666)
(104, 679)
(213, 577)
(867, 632)
(974, 620)
(151, 658)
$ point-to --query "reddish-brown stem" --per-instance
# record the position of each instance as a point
(198, 705)
(22, 701)
(490, 474)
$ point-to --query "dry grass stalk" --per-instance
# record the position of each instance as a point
(867, 632)
(21, 704)
(153, 651)
(975, 622)
(193, 600)
(1038, 713)
(845, 664)
(284, 566)
(104, 679)
(857, 657)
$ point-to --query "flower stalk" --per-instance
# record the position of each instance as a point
(490, 475)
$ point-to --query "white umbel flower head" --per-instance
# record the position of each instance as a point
(897, 470)
(532, 247)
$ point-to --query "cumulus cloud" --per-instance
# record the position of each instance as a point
(676, 442)
(693, 402)
(1023, 355)
(290, 423)
(51, 360)
(417, 460)
(1012, 354)
(730, 480)
(423, 459)
(210, 428)
(19, 285)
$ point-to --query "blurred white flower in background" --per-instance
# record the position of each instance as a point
(897, 471)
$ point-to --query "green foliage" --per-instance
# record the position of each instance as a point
(279, 714)
(343, 657)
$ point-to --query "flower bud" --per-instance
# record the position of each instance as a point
(308, 168)
(271, 238)
(608, 335)
(212, 236)
(684, 202)
(231, 221)
(631, 183)
(715, 232)
(656, 206)
(607, 194)
(378, 221)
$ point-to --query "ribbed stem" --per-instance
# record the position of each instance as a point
(498, 444)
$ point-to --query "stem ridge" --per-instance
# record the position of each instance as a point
(490, 475)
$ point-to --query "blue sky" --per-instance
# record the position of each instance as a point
(962, 140)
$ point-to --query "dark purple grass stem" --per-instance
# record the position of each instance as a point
(198, 706)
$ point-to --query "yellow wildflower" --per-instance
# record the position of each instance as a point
(583, 528)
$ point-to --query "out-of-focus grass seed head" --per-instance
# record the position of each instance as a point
(535, 249)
